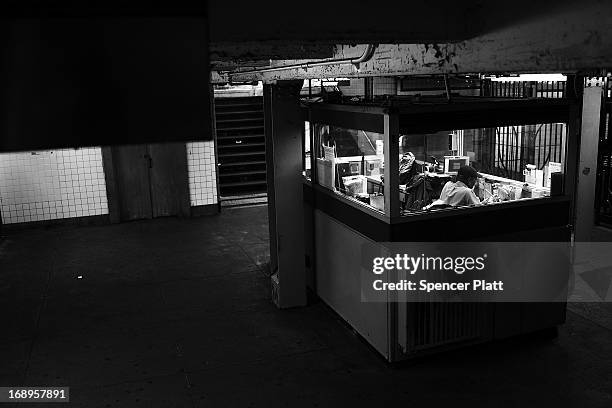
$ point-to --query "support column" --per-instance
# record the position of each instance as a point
(284, 127)
(592, 103)
(391, 151)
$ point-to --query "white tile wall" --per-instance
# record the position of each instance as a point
(202, 173)
(53, 184)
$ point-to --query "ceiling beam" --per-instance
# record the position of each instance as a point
(268, 50)
(568, 40)
(341, 21)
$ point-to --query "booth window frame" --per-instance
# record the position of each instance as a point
(466, 113)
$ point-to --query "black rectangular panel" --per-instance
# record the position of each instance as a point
(370, 122)
(503, 222)
(473, 115)
(91, 81)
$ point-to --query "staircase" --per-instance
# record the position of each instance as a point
(241, 150)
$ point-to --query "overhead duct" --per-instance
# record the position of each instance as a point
(368, 53)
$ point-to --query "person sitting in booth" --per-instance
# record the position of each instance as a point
(460, 192)
(417, 187)
(407, 168)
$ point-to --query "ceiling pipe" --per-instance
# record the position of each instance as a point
(368, 53)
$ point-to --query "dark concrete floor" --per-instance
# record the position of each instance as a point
(176, 313)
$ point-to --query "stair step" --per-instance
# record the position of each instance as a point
(229, 202)
(244, 196)
(239, 136)
(227, 147)
(233, 145)
(226, 105)
(241, 154)
(238, 112)
(243, 173)
(238, 120)
(247, 163)
(226, 129)
(244, 183)
(238, 98)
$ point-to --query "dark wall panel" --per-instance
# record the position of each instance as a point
(169, 180)
(84, 81)
(131, 174)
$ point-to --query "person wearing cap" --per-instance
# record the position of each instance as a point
(460, 192)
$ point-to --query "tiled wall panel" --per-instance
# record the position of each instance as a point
(382, 86)
(385, 86)
(202, 173)
(47, 185)
(356, 88)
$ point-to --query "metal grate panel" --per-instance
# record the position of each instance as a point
(435, 324)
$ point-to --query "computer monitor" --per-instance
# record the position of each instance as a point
(453, 163)
(352, 168)
(355, 167)
(345, 169)
(372, 167)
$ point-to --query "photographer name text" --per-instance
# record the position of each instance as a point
(422, 263)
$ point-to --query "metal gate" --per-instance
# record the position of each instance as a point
(603, 192)
(506, 150)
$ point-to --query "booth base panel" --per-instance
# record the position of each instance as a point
(338, 281)
(400, 331)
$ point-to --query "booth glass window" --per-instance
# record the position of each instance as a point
(350, 162)
(306, 156)
(512, 163)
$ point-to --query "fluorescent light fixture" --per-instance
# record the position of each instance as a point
(531, 77)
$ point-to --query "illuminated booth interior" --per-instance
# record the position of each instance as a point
(374, 173)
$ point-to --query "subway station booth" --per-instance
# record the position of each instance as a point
(373, 172)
